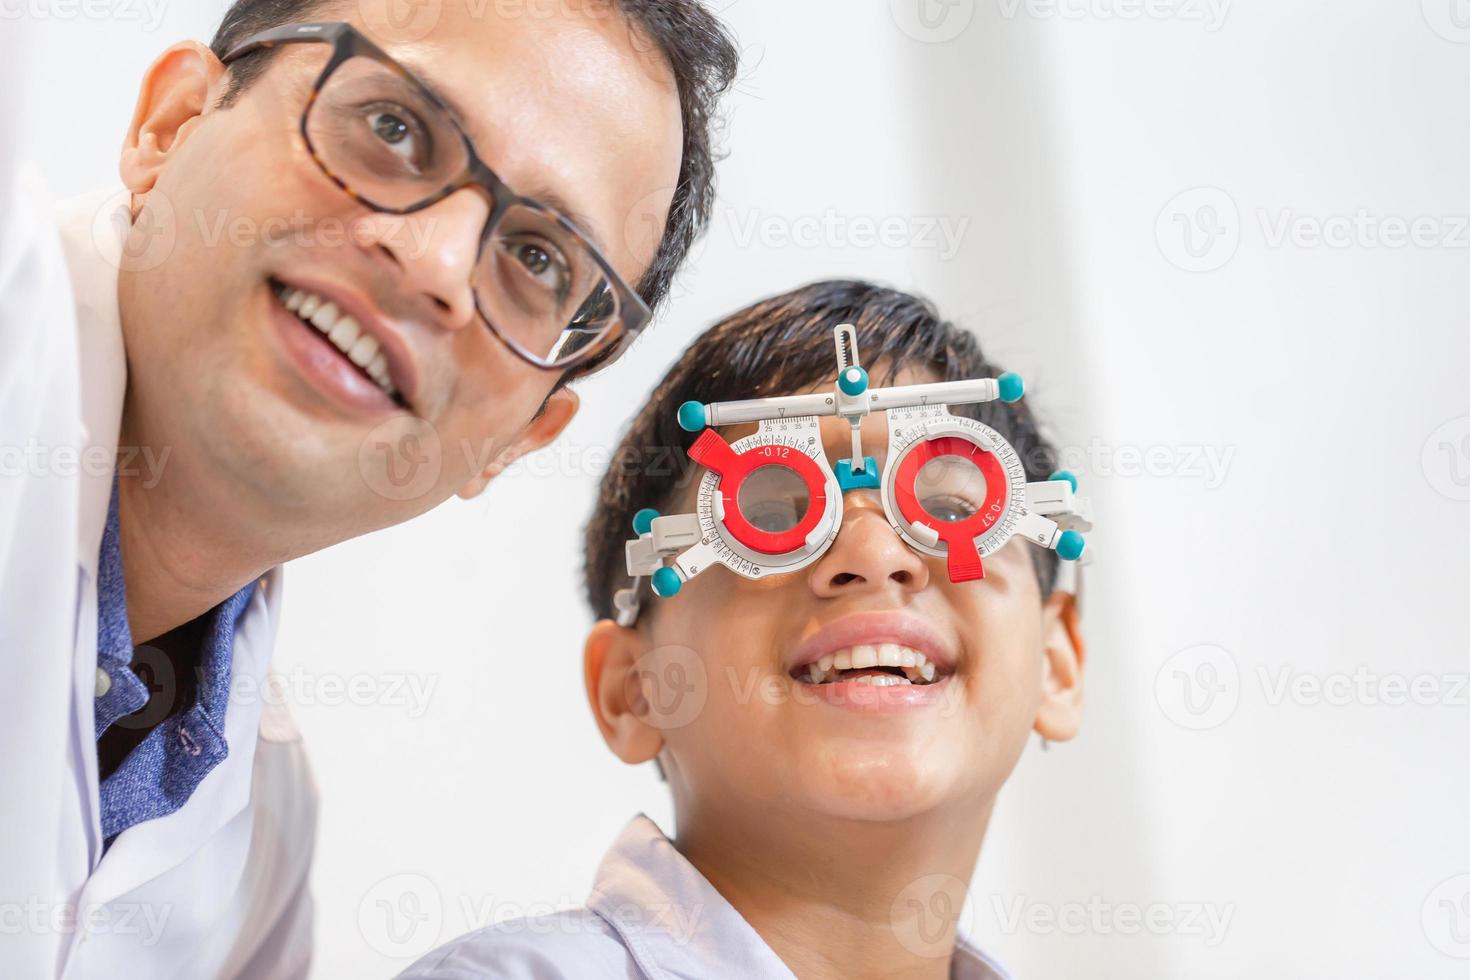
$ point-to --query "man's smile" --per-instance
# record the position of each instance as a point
(346, 351)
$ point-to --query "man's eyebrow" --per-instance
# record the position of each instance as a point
(551, 199)
(559, 204)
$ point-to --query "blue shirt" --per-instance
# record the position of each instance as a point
(651, 916)
(160, 773)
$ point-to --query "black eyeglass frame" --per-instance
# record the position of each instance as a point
(347, 42)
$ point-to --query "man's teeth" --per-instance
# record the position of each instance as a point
(917, 668)
(342, 330)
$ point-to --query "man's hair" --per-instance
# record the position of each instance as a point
(700, 52)
(779, 346)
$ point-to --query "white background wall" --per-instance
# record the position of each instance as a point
(1275, 427)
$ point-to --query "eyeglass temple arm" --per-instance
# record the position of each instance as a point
(284, 35)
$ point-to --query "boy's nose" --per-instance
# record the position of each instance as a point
(867, 556)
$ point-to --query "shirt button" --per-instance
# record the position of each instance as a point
(104, 682)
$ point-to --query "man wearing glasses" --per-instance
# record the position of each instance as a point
(342, 246)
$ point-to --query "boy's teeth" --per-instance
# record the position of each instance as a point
(361, 348)
(917, 668)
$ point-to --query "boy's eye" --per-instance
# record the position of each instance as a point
(773, 499)
(947, 508)
(775, 517)
(950, 488)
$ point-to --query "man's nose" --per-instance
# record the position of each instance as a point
(436, 251)
(867, 557)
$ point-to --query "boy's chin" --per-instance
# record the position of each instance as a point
(882, 788)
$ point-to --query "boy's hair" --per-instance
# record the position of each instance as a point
(700, 52)
(779, 346)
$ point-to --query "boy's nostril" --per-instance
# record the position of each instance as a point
(845, 578)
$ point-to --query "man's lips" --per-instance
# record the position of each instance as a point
(402, 367)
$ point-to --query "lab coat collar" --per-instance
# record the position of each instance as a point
(93, 228)
(676, 924)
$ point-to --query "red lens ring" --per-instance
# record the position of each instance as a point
(958, 536)
(713, 453)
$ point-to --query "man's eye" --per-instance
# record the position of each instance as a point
(544, 263)
(390, 128)
(397, 131)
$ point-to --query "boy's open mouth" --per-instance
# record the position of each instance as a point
(883, 665)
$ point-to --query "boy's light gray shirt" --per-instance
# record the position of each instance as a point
(651, 915)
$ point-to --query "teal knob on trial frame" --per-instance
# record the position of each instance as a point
(853, 381)
(666, 582)
(691, 416)
(1069, 546)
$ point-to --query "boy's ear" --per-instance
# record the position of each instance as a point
(172, 101)
(559, 410)
(1060, 713)
(612, 665)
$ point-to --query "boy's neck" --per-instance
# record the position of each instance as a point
(837, 899)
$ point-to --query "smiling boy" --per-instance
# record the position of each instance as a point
(829, 814)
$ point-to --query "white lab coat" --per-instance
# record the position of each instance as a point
(219, 887)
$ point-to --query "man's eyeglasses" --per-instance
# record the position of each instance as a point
(386, 139)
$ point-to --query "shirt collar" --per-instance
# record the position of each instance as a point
(676, 924)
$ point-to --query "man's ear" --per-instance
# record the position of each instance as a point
(559, 410)
(176, 90)
(611, 662)
(1060, 713)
